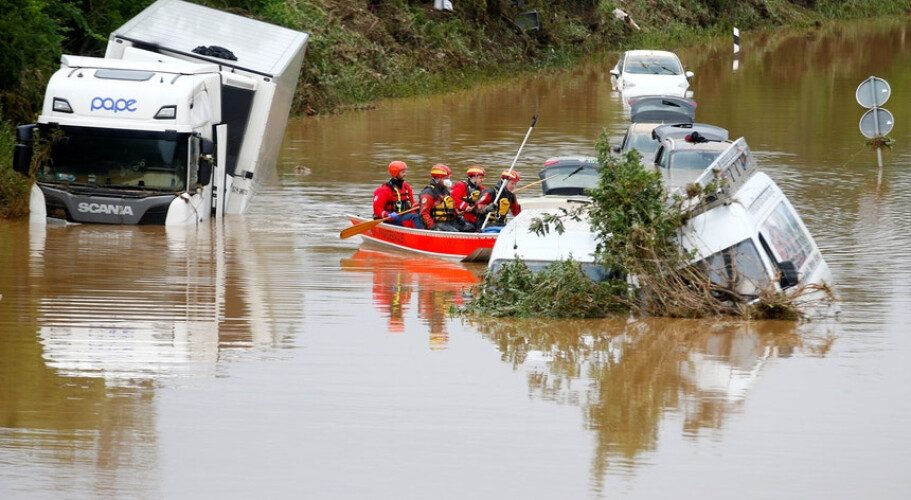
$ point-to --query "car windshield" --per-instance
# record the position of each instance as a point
(788, 240)
(644, 144)
(571, 179)
(692, 160)
(595, 272)
(737, 268)
(653, 65)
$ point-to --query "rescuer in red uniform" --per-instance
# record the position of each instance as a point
(499, 206)
(394, 197)
(465, 194)
(438, 210)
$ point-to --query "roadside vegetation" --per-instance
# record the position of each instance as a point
(365, 50)
(637, 223)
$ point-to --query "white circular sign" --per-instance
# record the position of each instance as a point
(876, 122)
(873, 92)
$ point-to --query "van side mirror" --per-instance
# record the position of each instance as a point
(789, 275)
(688, 74)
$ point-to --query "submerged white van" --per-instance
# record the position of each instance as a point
(746, 233)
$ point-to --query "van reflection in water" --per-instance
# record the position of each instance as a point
(628, 376)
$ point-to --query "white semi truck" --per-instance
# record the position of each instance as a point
(180, 121)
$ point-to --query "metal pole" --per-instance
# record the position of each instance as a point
(503, 185)
(879, 149)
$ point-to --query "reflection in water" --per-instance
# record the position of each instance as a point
(396, 277)
(666, 406)
(628, 375)
(141, 303)
(115, 309)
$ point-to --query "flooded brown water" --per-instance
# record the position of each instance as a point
(266, 358)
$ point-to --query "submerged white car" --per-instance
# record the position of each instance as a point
(650, 72)
(746, 235)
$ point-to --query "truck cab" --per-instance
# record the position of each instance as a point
(122, 140)
(170, 127)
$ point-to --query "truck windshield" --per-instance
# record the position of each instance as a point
(125, 159)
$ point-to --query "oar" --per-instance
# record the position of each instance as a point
(535, 183)
(574, 172)
(511, 167)
(366, 225)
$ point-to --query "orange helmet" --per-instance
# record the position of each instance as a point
(439, 171)
(476, 170)
(510, 175)
(396, 167)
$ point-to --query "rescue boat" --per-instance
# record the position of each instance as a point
(465, 247)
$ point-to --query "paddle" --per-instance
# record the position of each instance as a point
(534, 183)
(366, 225)
(511, 167)
(574, 172)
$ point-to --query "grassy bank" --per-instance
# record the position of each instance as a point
(365, 50)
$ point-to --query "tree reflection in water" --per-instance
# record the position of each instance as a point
(626, 375)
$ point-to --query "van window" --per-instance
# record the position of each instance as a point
(786, 237)
(738, 268)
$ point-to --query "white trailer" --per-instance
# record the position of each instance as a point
(181, 120)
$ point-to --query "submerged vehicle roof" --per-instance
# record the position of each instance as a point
(681, 130)
(662, 108)
(516, 240)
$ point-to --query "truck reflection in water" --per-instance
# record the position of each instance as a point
(398, 278)
(139, 303)
(629, 376)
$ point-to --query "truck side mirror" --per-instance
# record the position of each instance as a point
(22, 158)
(26, 133)
(204, 174)
(789, 275)
(208, 147)
(22, 151)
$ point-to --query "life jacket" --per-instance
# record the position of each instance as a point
(472, 192)
(502, 204)
(399, 201)
(443, 209)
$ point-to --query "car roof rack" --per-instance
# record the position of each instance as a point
(723, 178)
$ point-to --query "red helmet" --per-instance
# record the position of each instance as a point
(510, 175)
(439, 171)
(476, 170)
(396, 167)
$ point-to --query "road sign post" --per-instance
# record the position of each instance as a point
(872, 93)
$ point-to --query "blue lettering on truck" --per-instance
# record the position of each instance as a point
(115, 105)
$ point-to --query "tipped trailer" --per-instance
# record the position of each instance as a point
(180, 121)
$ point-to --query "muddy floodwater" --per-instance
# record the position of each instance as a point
(264, 357)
